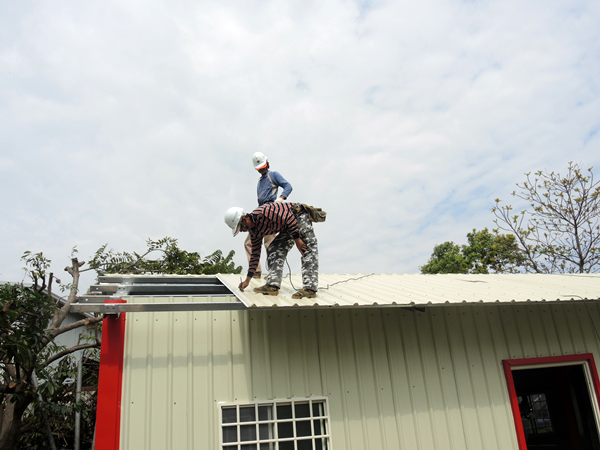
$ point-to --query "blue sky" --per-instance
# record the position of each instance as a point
(123, 121)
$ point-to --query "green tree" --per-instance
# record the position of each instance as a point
(492, 252)
(172, 260)
(446, 258)
(58, 404)
(485, 253)
(30, 320)
(559, 231)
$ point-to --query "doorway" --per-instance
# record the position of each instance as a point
(553, 404)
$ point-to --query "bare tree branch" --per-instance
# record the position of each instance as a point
(560, 232)
(68, 351)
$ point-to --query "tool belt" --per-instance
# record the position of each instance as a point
(314, 214)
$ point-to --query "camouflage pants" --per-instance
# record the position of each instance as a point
(280, 247)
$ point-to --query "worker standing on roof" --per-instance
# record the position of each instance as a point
(266, 192)
(292, 224)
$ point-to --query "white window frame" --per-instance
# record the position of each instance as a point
(274, 438)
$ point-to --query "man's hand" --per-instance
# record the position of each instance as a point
(301, 245)
(244, 284)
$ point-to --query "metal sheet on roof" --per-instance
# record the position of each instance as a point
(420, 290)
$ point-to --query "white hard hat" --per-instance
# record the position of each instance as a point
(259, 160)
(233, 217)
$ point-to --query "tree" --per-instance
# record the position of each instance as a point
(173, 260)
(446, 258)
(30, 320)
(485, 253)
(58, 405)
(560, 231)
(492, 252)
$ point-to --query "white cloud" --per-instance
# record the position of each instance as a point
(404, 120)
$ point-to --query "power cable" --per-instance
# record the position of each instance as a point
(345, 281)
(329, 285)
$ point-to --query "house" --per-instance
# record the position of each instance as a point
(374, 362)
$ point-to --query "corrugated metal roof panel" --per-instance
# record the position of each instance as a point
(418, 289)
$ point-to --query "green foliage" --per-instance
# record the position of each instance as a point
(36, 265)
(24, 320)
(446, 258)
(59, 404)
(492, 252)
(172, 260)
(30, 319)
(485, 253)
(560, 230)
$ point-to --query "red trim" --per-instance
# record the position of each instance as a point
(514, 404)
(508, 365)
(108, 410)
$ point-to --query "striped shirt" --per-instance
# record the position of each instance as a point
(270, 218)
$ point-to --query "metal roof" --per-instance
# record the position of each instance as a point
(221, 292)
(420, 290)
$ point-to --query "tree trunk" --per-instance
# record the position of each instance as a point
(10, 425)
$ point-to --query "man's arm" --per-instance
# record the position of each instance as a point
(255, 256)
(283, 183)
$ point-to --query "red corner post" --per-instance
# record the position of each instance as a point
(108, 410)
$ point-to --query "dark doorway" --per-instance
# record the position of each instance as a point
(555, 408)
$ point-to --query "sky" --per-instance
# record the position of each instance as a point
(126, 120)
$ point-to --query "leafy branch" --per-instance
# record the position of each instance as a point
(171, 260)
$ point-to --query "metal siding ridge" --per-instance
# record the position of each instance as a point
(398, 377)
(464, 379)
(383, 383)
(447, 380)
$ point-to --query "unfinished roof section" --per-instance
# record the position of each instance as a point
(121, 286)
(367, 290)
(421, 290)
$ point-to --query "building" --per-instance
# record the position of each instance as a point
(374, 362)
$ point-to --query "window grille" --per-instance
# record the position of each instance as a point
(299, 424)
(535, 414)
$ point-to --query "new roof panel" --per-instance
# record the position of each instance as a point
(421, 290)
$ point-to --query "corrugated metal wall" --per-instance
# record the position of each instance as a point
(395, 379)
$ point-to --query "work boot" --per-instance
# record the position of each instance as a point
(257, 275)
(305, 293)
(267, 289)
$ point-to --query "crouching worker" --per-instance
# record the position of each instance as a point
(293, 225)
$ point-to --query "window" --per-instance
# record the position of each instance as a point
(276, 425)
(535, 414)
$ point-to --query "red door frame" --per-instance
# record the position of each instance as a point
(110, 382)
(509, 364)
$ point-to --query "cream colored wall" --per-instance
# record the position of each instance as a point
(395, 379)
